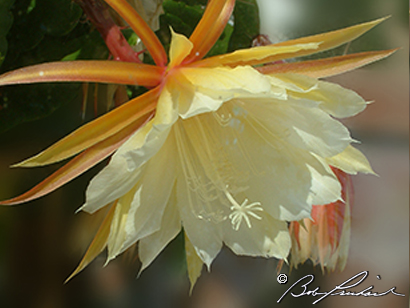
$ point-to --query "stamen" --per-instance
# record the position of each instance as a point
(242, 212)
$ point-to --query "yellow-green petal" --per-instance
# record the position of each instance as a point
(256, 55)
(97, 245)
(194, 263)
(179, 49)
(351, 161)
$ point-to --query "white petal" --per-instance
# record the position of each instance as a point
(118, 234)
(325, 187)
(267, 237)
(351, 161)
(179, 49)
(150, 246)
(211, 87)
(198, 209)
(205, 235)
(149, 202)
(334, 99)
(241, 79)
(301, 123)
(125, 167)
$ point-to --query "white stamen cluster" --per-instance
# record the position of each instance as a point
(242, 212)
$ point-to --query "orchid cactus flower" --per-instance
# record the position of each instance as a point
(229, 148)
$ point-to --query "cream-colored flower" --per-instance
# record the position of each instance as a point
(220, 136)
(225, 150)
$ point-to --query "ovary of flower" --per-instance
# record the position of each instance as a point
(242, 211)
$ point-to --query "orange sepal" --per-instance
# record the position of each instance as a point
(86, 71)
(141, 28)
(78, 165)
(96, 131)
(327, 67)
(324, 41)
(210, 28)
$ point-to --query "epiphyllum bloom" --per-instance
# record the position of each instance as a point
(224, 150)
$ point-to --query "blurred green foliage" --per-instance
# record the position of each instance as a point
(246, 25)
(44, 31)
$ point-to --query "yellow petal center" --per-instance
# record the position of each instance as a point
(180, 48)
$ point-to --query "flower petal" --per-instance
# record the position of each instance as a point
(154, 192)
(327, 67)
(240, 79)
(256, 55)
(151, 245)
(118, 235)
(179, 49)
(125, 168)
(334, 99)
(127, 164)
(87, 71)
(325, 187)
(351, 161)
(227, 150)
(209, 88)
(194, 263)
(267, 237)
(141, 28)
(96, 131)
(204, 235)
(200, 211)
(97, 245)
(301, 123)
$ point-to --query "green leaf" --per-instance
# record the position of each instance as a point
(246, 25)
(181, 17)
(221, 46)
(194, 2)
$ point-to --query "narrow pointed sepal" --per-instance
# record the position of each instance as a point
(96, 131)
(97, 245)
(327, 67)
(292, 48)
(332, 39)
(142, 29)
(86, 71)
(194, 263)
(77, 165)
(210, 28)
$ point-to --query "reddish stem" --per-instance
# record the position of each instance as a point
(99, 15)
